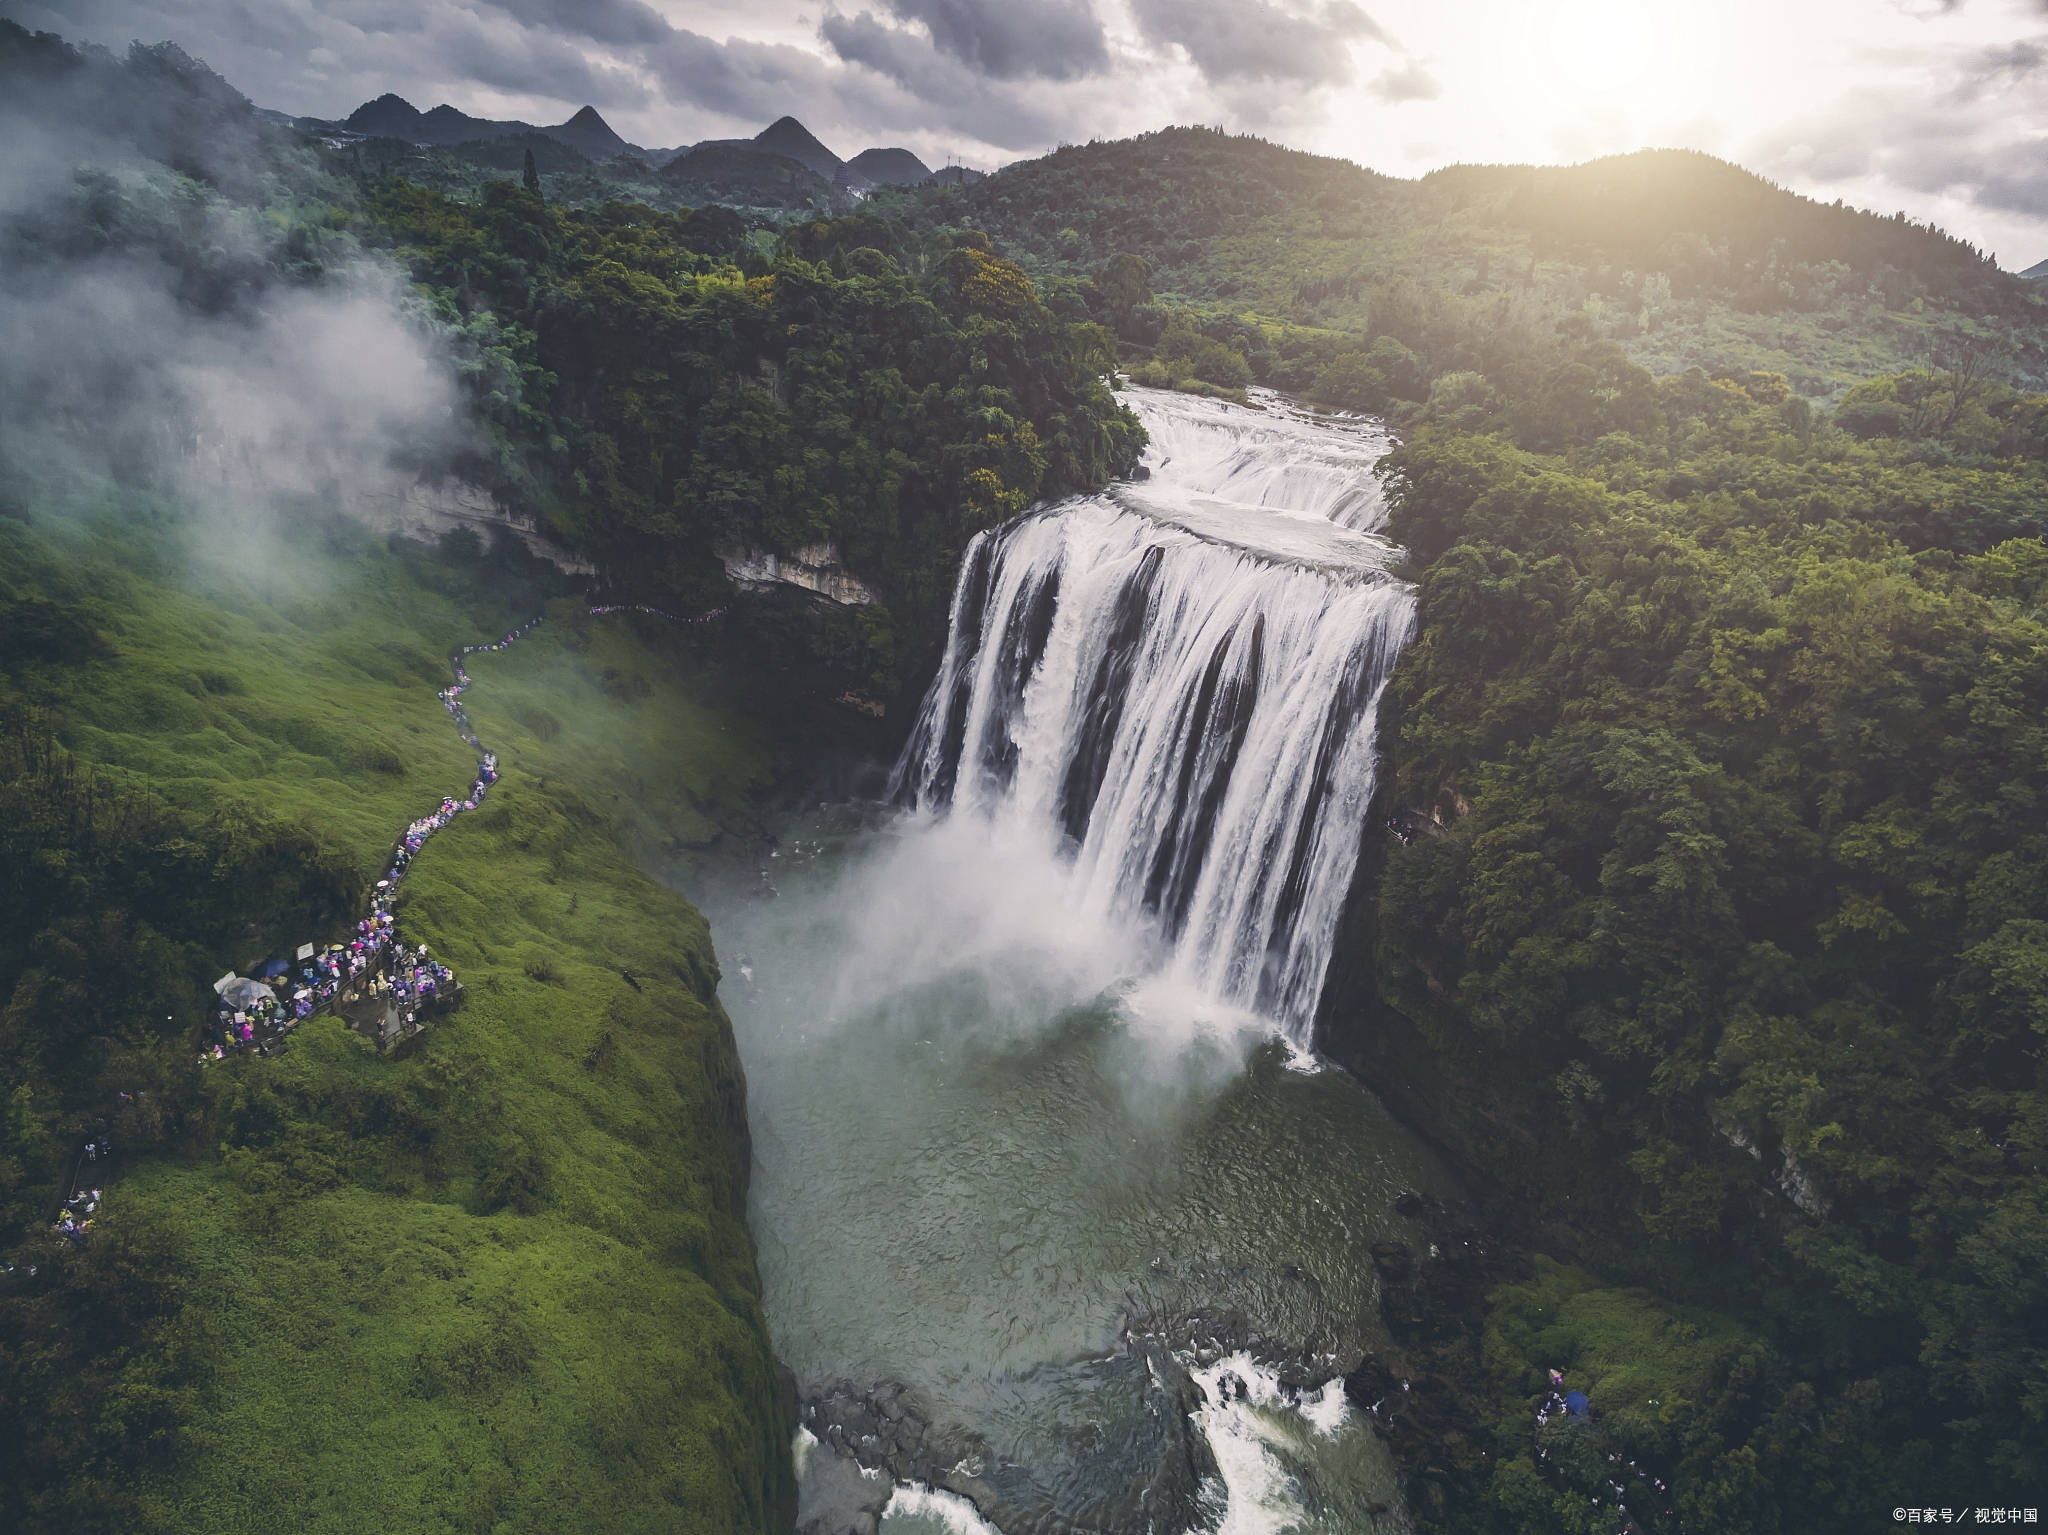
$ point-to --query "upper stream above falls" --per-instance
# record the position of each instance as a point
(1055, 1211)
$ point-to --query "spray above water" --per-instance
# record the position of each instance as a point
(1178, 690)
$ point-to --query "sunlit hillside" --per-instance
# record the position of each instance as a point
(1683, 259)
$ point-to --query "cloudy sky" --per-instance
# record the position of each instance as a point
(1939, 107)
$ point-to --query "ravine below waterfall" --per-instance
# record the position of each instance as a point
(1061, 1227)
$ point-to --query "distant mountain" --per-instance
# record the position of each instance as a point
(888, 168)
(786, 136)
(592, 137)
(786, 139)
(388, 117)
(393, 117)
(2038, 269)
(743, 175)
(1695, 262)
(755, 172)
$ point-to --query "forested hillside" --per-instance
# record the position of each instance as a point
(1683, 259)
(1714, 936)
(663, 402)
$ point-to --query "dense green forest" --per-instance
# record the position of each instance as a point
(668, 400)
(1721, 951)
(765, 189)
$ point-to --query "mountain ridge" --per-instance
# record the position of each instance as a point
(586, 131)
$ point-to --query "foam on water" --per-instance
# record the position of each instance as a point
(1258, 1495)
(913, 1510)
(1271, 455)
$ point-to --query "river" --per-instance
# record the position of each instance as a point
(1062, 1225)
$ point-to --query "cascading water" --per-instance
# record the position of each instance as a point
(1052, 1234)
(1180, 687)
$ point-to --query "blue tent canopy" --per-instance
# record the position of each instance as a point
(272, 967)
(1575, 1403)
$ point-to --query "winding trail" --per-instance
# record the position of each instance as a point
(376, 959)
(416, 835)
(339, 970)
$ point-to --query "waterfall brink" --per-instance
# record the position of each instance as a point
(1280, 460)
(1178, 683)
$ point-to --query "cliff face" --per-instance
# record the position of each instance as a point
(426, 509)
(813, 568)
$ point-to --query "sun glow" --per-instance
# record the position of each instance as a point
(1608, 51)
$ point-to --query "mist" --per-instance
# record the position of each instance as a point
(183, 310)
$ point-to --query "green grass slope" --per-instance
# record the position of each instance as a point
(503, 1283)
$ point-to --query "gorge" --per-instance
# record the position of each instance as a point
(1057, 1213)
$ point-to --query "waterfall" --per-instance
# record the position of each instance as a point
(1176, 682)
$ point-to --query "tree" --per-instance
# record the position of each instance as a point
(1123, 284)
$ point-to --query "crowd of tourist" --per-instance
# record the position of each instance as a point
(74, 1220)
(255, 1015)
(375, 961)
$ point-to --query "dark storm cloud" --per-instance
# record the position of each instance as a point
(1260, 40)
(1969, 136)
(738, 78)
(616, 22)
(896, 52)
(530, 61)
(1993, 69)
(952, 95)
(1013, 39)
(427, 49)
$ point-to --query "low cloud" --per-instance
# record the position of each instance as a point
(145, 335)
